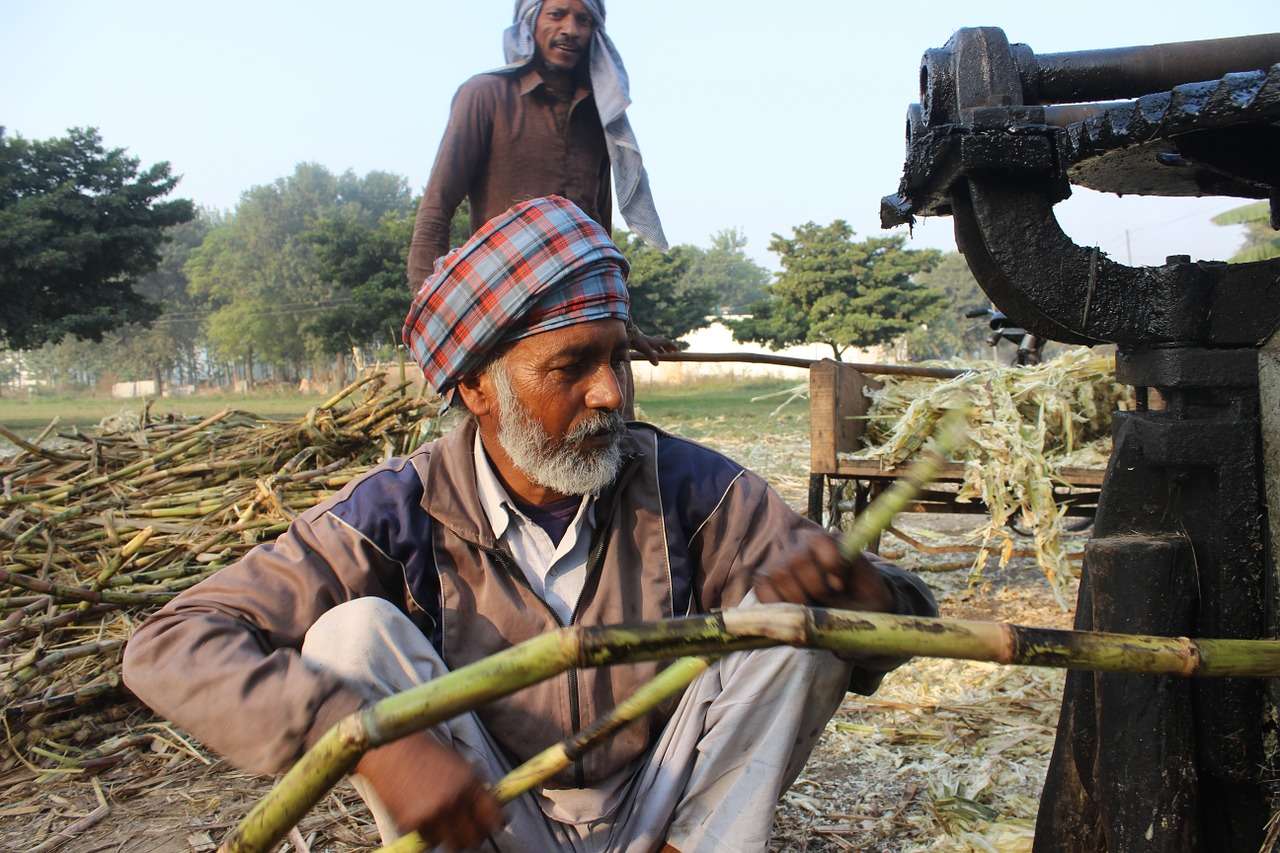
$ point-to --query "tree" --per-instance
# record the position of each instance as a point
(79, 225)
(173, 339)
(663, 300)
(950, 334)
(725, 270)
(834, 291)
(273, 299)
(1261, 241)
(365, 262)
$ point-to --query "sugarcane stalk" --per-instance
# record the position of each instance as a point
(49, 661)
(77, 593)
(847, 633)
(948, 437)
(127, 553)
(35, 450)
(338, 750)
(64, 492)
(35, 627)
(44, 523)
(347, 392)
(670, 682)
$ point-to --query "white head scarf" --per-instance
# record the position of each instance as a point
(610, 88)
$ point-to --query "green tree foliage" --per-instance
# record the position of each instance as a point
(950, 334)
(460, 225)
(1261, 241)
(663, 299)
(79, 225)
(274, 298)
(173, 340)
(842, 293)
(724, 269)
(365, 262)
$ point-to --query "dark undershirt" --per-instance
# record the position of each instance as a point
(555, 518)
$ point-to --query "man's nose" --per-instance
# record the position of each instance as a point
(605, 391)
(570, 28)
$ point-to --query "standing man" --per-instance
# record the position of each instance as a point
(551, 121)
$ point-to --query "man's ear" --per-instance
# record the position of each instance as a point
(477, 393)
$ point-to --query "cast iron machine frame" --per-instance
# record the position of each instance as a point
(1180, 539)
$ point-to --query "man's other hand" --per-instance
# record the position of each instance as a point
(814, 573)
(430, 788)
(649, 346)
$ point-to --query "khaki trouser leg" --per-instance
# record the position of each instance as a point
(371, 644)
(738, 738)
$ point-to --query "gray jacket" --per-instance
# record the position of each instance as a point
(681, 531)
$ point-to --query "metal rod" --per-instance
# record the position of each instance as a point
(1127, 72)
(806, 363)
(1061, 115)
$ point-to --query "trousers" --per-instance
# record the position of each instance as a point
(738, 738)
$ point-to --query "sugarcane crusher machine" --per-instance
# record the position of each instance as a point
(1181, 544)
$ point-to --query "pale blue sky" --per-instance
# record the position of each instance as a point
(759, 115)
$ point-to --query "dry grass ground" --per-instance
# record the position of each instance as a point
(946, 756)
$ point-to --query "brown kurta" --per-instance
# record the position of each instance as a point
(510, 139)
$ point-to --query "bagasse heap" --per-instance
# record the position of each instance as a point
(78, 568)
(1025, 425)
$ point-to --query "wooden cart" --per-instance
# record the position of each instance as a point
(837, 408)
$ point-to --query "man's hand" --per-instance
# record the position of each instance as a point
(428, 787)
(814, 573)
(649, 347)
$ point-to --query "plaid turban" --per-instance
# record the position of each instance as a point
(541, 265)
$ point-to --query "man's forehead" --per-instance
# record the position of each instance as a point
(581, 338)
(576, 6)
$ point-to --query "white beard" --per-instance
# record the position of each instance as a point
(564, 466)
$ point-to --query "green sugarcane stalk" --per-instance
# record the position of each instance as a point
(49, 521)
(119, 561)
(346, 392)
(847, 633)
(64, 492)
(670, 682)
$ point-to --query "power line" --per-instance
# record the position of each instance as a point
(274, 310)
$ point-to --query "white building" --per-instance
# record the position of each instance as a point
(717, 337)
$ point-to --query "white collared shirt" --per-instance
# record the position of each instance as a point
(556, 572)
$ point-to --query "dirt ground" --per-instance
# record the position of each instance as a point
(947, 756)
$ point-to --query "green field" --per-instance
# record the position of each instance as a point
(697, 409)
(26, 416)
(723, 409)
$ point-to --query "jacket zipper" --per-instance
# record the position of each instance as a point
(593, 564)
(575, 713)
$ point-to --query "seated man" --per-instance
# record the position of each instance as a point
(542, 509)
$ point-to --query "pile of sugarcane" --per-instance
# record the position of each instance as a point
(1026, 425)
(100, 527)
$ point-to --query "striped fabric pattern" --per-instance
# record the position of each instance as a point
(541, 265)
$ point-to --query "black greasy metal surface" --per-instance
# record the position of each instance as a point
(1121, 72)
(1216, 137)
(1177, 550)
(1179, 368)
(1179, 545)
